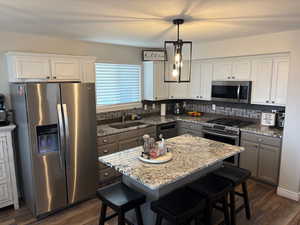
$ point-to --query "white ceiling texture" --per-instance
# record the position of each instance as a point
(148, 23)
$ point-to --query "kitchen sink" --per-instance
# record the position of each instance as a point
(126, 125)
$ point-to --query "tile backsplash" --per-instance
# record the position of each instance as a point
(228, 109)
(118, 114)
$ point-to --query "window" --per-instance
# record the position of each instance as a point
(118, 86)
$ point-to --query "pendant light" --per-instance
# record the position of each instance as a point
(177, 67)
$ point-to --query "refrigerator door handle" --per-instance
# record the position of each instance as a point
(61, 134)
(67, 131)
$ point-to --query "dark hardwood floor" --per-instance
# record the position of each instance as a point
(267, 209)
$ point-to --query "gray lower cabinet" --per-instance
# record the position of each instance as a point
(249, 157)
(118, 142)
(185, 127)
(261, 156)
(268, 163)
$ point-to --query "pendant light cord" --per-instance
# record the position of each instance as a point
(178, 32)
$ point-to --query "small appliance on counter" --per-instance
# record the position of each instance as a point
(268, 119)
(280, 119)
(178, 109)
(163, 110)
(3, 112)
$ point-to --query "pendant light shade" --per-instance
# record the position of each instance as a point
(179, 55)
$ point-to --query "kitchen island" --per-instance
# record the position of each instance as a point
(193, 157)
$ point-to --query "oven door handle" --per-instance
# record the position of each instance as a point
(221, 135)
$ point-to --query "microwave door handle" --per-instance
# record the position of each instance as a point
(239, 92)
(61, 134)
(67, 131)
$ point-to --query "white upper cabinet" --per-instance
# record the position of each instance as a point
(29, 67)
(241, 69)
(87, 70)
(270, 80)
(63, 68)
(195, 90)
(154, 86)
(179, 90)
(222, 70)
(232, 69)
(262, 70)
(200, 86)
(280, 80)
(206, 71)
(23, 67)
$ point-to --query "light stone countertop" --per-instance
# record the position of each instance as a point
(190, 154)
(9, 127)
(105, 129)
(263, 130)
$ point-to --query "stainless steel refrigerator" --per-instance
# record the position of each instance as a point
(56, 133)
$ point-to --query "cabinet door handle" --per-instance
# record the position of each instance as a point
(106, 174)
(233, 77)
(229, 77)
(104, 141)
(54, 77)
(267, 101)
(273, 102)
(47, 77)
(105, 151)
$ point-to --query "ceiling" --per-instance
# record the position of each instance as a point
(148, 23)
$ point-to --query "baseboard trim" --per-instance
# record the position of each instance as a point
(288, 194)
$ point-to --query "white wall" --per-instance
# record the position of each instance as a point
(41, 44)
(272, 43)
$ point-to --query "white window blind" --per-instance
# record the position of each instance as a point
(117, 84)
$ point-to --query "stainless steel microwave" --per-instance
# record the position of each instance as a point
(231, 91)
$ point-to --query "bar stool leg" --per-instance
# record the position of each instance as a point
(246, 200)
(158, 220)
(208, 213)
(232, 207)
(139, 217)
(225, 210)
(102, 214)
(121, 218)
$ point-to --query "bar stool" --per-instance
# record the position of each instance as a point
(237, 176)
(121, 199)
(180, 207)
(215, 190)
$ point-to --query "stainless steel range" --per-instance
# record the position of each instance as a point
(226, 130)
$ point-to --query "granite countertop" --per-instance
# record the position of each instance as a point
(190, 154)
(105, 129)
(8, 127)
(263, 130)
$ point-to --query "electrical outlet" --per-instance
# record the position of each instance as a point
(213, 107)
(145, 107)
(153, 106)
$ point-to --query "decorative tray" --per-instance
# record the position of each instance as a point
(159, 160)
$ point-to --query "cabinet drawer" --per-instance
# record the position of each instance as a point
(107, 149)
(130, 143)
(3, 149)
(148, 130)
(128, 135)
(261, 139)
(190, 125)
(107, 139)
(4, 172)
(106, 174)
(5, 194)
